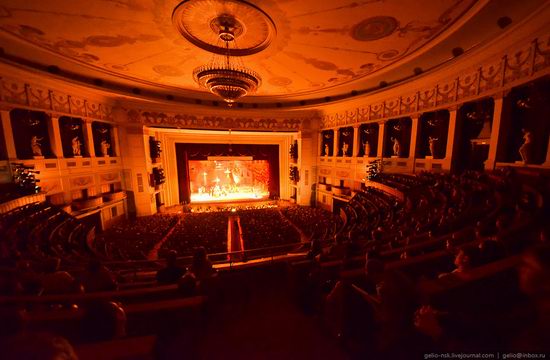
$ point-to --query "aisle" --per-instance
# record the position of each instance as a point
(234, 238)
(153, 254)
(258, 320)
(303, 237)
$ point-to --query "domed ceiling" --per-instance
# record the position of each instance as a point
(301, 49)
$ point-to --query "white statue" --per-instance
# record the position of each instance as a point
(36, 146)
(105, 148)
(431, 145)
(525, 148)
(345, 148)
(76, 146)
(326, 149)
(367, 148)
(396, 147)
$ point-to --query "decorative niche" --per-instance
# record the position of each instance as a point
(72, 137)
(30, 133)
(103, 139)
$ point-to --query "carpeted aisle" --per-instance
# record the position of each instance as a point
(257, 320)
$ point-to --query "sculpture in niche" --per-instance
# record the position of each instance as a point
(326, 149)
(76, 146)
(105, 148)
(345, 148)
(396, 147)
(431, 145)
(36, 146)
(525, 148)
(367, 148)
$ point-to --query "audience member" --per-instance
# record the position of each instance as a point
(98, 278)
(56, 281)
(201, 266)
(38, 346)
(103, 321)
(466, 259)
(171, 273)
(534, 281)
(187, 284)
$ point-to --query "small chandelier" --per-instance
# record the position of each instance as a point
(230, 81)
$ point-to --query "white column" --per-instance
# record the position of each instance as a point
(88, 135)
(495, 132)
(335, 143)
(55, 136)
(356, 141)
(381, 136)
(8, 135)
(451, 134)
(115, 141)
(414, 136)
(320, 144)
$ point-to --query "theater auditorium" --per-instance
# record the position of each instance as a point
(274, 179)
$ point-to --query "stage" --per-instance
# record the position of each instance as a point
(206, 198)
(218, 173)
(235, 179)
(227, 206)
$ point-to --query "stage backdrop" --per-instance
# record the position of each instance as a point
(192, 151)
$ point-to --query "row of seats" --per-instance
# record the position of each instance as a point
(452, 237)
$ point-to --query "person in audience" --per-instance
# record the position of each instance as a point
(337, 250)
(374, 271)
(28, 278)
(172, 272)
(201, 266)
(490, 250)
(103, 321)
(466, 259)
(394, 305)
(56, 281)
(436, 331)
(187, 284)
(534, 281)
(38, 346)
(315, 248)
(377, 235)
(98, 278)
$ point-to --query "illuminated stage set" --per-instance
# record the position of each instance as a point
(222, 173)
(228, 179)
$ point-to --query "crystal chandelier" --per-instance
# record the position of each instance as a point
(225, 76)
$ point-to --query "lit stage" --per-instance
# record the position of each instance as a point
(220, 181)
(239, 195)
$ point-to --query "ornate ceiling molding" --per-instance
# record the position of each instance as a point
(16, 93)
(197, 20)
(497, 74)
(301, 50)
(217, 122)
